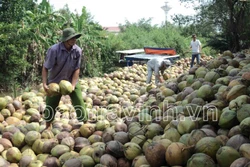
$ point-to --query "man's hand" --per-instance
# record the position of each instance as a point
(161, 80)
(46, 89)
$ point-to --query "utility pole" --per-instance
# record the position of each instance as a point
(166, 9)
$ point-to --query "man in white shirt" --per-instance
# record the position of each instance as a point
(195, 46)
(157, 65)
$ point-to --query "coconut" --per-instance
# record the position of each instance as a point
(121, 126)
(205, 92)
(228, 119)
(236, 91)
(223, 154)
(87, 150)
(114, 148)
(102, 124)
(54, 89)
(244, 150)
(195, 136)
(135, 130)
(139, 161)
(131, 150)
(236, 141)
(152, 130)
(208, 145)
(74, 162)
(3, 162)
(68, 141)
(245, 126)
(35, 163)
(48, 145)
(59, 149)
(51, 162)
(87, 129)
(240, 162)
(37, 146)
(155, 154)
(108, 160)
(186, 125)
(122, 137)
(47, 134)
(200, 160)
(123, 162)
(61, 135)
(13, 155)
(18, 139)
(6, 143)
(223, 139)
(177, 154)
(98, 151)
(139, 139)
(172, 134)
(31, 137)
(243, 112)
(3, 103)
(65, 87)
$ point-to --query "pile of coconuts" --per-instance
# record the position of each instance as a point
(199, 117)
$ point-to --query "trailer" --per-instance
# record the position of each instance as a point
(141, 56)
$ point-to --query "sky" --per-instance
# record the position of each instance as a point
(110, 13)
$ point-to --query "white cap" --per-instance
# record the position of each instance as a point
(167, 62)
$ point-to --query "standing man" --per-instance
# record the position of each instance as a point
(63, 63)
(156, 65)
(195, 46)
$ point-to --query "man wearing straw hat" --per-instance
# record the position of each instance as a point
(63, 63)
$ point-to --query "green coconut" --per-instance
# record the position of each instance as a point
(243, 112)
(172, 134)
(236, 91)
(87, 161)
(74, 162)
(139, 139)
(211, 76)
(54, 89)
(18, 139)
(195, 136)
(205, 92)
(228, 119)
(13, 155)
(200, 160)
(87, 129)
(66, 156)
(152, 130)
(59, 149)
(35, 163)
(132, 150)
(31, 137)
(65, 87)
(139, 161)
(245, 126)
(208, 145)
(37, 146)
(226, 155)
(186, 125)
(184, 138)
(3, 103)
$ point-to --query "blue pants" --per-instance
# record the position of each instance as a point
(197, 56)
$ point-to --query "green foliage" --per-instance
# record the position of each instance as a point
(14, 10)
(13, 52)
(225, 21)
